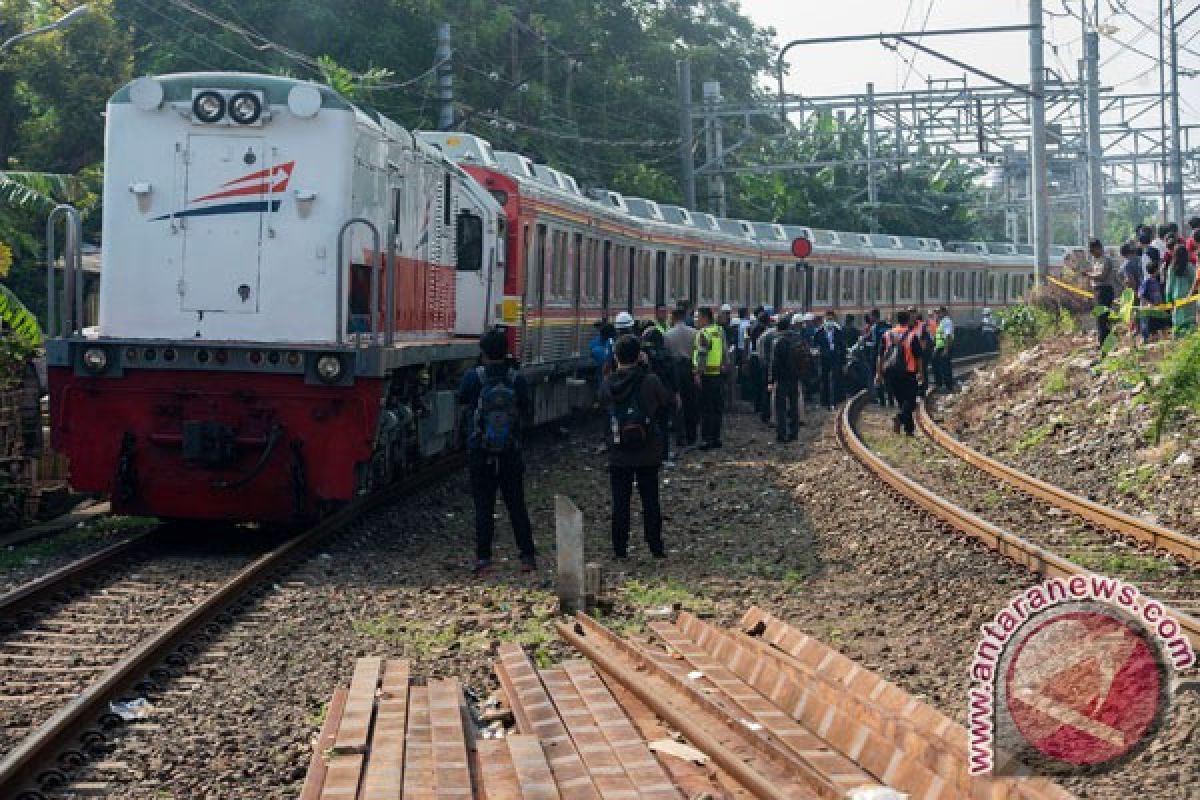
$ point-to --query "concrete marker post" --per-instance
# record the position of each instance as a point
(568, 535)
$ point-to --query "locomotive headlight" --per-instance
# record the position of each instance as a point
(329, 368)
(208, 106)
(245, 108)
(95, 359)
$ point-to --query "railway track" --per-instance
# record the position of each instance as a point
(118, 624)
(1046, 529)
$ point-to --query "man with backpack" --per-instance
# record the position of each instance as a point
(633, 396)
(830, 344)
(496, 397)
(900, 366)
(658, 359)
(789, 364)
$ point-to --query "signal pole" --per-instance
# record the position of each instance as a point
(1095, 151)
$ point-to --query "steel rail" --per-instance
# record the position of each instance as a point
(1163, 540)
(19, 768)
(1035, 558)
(53, 527)
(46, 587)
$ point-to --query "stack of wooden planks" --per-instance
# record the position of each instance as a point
(760, 710)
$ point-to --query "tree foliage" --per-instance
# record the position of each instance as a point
(586, 85)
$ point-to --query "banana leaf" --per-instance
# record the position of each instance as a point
(19, 318)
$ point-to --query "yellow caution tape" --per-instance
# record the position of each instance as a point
(1193, 298)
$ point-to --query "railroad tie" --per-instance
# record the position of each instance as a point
(535, 714)
(316, 766)
(452, 772)
(497, 773)
(419, 780)
(830, 773)
(384, 777)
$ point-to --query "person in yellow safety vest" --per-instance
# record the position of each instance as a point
(943, 341)
(708, 361)
(662, 319)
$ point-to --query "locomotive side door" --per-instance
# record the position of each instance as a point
(229, 185)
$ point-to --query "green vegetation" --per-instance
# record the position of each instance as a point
(1034, 437)
(1040, 317)
(1056, 381)
(422, 638)
(1179, 388)
(1136, 480)
(41, 549)
(1108, 563)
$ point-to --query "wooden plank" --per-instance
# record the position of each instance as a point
(315, 778)
(630, 750)
(419, 782)
(452, 772)
(355, 730)
(342, 776)
(597, 754)
(827, 771)
(385, 767)
(694, 780)
(536, 715)
(498, 775)
(534, 775)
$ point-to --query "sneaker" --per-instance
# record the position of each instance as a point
(482, 568)
(528, 564)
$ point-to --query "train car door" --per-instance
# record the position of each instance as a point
(229, 185)
(577, 302)
(535, 292)
(660, 278)
(777, 286)
(606, 277)
(808, 284)
(631, 282)
(693, 278)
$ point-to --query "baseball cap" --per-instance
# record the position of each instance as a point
(726, 307)
(624, 320)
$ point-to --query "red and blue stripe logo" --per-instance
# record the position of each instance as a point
(272, 182)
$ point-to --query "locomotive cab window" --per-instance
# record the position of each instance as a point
(469, 242)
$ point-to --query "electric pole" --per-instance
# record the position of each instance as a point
(1175, 184)
(1095, 151)
(687, 172)
(1038, 183)
(445, 73)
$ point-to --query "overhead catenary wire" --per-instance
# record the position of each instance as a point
(912, 65)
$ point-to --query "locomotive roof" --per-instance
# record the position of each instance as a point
(177, 87)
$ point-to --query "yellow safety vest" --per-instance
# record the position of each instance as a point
(716, 349)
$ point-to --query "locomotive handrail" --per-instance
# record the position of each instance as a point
(72, 300)
(389, 324)
(376, 257)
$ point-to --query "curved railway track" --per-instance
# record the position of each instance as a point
(80, 638)
(1060, 534)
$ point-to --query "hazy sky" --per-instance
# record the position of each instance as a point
(846, 68)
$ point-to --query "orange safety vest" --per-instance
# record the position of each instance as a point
(903, 336)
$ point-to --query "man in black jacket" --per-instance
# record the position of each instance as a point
(497, 396)
(789, 352)
(831, 345)
(633, 395)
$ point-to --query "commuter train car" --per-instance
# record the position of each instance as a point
(286, 278)
(293, 286)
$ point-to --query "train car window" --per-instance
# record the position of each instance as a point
(960, 286)
(537, 277)
(707, 280)
(847, 295)
(619, 293)
(447, 200)
(874, 287)
(678, 288)
(794, 293)
(469, 243)
(821, 295)
(645, 279)
(990, 294)
(660, 277)
(905, 290)
(748, 283)
(933, 285)
(577, 269)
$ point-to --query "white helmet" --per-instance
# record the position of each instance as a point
(624, 320)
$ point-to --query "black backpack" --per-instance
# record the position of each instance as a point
(895, 365)
(629, 422)
(497, 418)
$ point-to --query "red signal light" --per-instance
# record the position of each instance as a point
(801, 247)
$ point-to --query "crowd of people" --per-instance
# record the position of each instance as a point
(1158, 268)
(665, 386)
